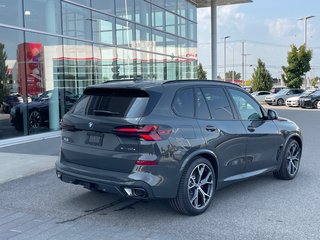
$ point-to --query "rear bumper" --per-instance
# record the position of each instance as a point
(149, 185)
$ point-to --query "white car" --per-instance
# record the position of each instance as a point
(260, 95)
(293, 102)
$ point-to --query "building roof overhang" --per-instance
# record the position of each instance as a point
(207, 3)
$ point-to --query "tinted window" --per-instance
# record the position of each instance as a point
(201, 106)
(112, 103)
(218, 103)
(183, 104)
(247, 107)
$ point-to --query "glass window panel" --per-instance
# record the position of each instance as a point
(182, 8)
(171, 45)
(13, 85)
(125, 9)
(158, 18)
(171, 5)
(104, 58)
(143, 12)
(76, 21)
(143, 39)
(170, 23)
(182, 27)
(192, 31)
(160, 67)
(159, 40)
(182, 48)
(106, 6)
(11, 12)
(43, 55)
(145, 65)
(124, 32)
(192, 9)
(78, 63)
(125, 63)
(43, 15)
(160, 3)
(103, 28)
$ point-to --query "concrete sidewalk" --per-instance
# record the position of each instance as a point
(28, 157)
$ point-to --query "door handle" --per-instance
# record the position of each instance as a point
(251, 128)
(211, 128)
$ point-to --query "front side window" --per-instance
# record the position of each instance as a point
(183, 103)
(247, 107)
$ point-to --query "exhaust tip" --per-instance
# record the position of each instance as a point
(136, 192)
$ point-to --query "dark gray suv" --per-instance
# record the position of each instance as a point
(180, 140)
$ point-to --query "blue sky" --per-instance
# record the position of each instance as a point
(268, 28)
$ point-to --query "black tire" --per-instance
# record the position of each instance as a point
(34, 119)
(194, 186)
(280, 102)
(315, 104)
(290, 162)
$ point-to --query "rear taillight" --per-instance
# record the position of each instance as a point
(146, 132)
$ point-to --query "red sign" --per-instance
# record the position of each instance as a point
(30, 72)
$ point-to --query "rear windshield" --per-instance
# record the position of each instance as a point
(112, 103)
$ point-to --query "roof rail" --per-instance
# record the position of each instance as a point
(200, 81)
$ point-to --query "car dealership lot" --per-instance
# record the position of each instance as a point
(260, 208)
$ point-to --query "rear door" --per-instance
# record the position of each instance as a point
(223, 133)
(89, 131)
(264, 138)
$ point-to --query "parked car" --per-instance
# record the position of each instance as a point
(11, 101)
(260, 95)
(295, 101)
(277, 89)
(318, 105)
(311, 100)
(38, 110)
(180, 140)
(281, 97)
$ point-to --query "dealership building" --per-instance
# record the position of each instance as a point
(50, 50)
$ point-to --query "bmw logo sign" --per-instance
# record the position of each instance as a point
(90, 124)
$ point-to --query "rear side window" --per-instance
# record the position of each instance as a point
(112, 103)
(218, 103)
(183, 103)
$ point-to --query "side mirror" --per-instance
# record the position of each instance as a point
(272, 115)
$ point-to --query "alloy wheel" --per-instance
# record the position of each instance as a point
(293, 158)
(34, 119)
(200, 186)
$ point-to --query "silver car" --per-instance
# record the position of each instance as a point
(281, 97)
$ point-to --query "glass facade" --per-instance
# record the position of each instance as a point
(51, 50)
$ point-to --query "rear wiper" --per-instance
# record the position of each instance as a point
(105, 113)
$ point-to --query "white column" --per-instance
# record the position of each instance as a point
(214, 39)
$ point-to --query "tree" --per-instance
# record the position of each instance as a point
(298, 65)
(202, 74)
(261, 78)
(236, 76)
(314, 81)
(4, 89)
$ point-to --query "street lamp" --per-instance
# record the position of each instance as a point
(305, 28)
(305, 40)
(225, 55)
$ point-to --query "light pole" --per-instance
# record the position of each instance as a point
(225, 55)
(305, 19)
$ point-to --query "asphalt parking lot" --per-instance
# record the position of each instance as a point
(42, 207)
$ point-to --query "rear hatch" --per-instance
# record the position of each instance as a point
(90, 135)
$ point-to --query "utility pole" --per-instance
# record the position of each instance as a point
(244, 63)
